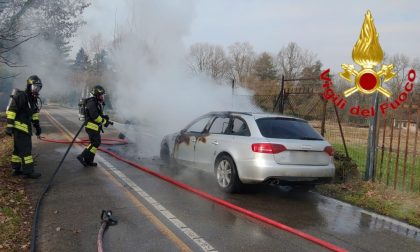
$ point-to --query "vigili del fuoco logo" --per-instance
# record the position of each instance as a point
(368, 54)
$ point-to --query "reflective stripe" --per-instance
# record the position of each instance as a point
(92, 126)
(35, 116)
(21, 126)
(10, 125)
(28, 159)
(16, 159)
(99, 119)
(93, 150)
(11, 115)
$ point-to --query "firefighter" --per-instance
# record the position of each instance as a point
(94, 120)
(22, 113)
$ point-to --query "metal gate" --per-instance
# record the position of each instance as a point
(398, 155)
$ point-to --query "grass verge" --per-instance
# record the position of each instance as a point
(376, 197)
(15, 208)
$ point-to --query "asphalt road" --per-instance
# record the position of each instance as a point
(155, 215)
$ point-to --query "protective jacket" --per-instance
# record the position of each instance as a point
(94, 117)
(22, 112)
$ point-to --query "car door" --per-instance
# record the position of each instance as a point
(207, 144)
(185, 142)
(238, 142)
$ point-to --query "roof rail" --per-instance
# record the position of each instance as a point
(229, 113)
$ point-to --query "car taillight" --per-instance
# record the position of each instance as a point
(329, 150)
(268, 148)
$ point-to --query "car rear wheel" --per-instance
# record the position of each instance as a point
(227, 175)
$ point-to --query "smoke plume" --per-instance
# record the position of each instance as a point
(154, 86)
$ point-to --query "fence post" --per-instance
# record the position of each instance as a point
(281, 105)
(341, 131)
(324, 115)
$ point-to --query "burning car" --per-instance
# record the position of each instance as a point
(249, 148)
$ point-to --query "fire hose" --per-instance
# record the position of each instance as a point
(106, 220)
(219, 201)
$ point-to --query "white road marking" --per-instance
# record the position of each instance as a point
(201, 242)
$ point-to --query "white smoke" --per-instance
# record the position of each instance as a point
(154, 86)
(41, 58)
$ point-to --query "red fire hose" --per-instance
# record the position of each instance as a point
(219, 201)
(104, 141)
(106, 220)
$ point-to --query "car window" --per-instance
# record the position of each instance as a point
(219, 125)
(198, 126)
(287, 128)
(239, 128)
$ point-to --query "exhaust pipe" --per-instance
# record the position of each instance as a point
(273, 181)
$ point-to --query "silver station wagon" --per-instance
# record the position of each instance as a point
(249, 148)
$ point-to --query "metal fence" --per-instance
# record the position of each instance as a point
(399, 149)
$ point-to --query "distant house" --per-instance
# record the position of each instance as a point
(405, 125)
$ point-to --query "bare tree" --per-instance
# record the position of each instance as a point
(209, 59)
(241, 58)
(22, 20)
(416, 66)
(11, 34)
(96, 44)
(292, 59)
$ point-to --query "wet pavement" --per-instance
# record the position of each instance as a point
(70, 213)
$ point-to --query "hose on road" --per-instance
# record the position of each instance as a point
(106, 221)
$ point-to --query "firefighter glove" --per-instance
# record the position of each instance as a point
(38, 130)
(9, 131)
(107, 122)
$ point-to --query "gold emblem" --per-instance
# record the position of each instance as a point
(367, 53)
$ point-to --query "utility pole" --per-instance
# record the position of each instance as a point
(233, 93)
(371, 148)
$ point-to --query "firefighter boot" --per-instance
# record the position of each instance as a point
(16, 172)
(92, 164)
(33, 175)
(82, 160)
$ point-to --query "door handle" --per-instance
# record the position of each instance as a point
(215, 142)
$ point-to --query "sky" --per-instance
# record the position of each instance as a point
(328, 28)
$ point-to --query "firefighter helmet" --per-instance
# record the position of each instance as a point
(97, 90)
(34, 84)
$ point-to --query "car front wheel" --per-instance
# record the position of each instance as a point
(227, 175)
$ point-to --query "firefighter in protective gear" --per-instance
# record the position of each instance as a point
(22, 113)
(94, 120)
